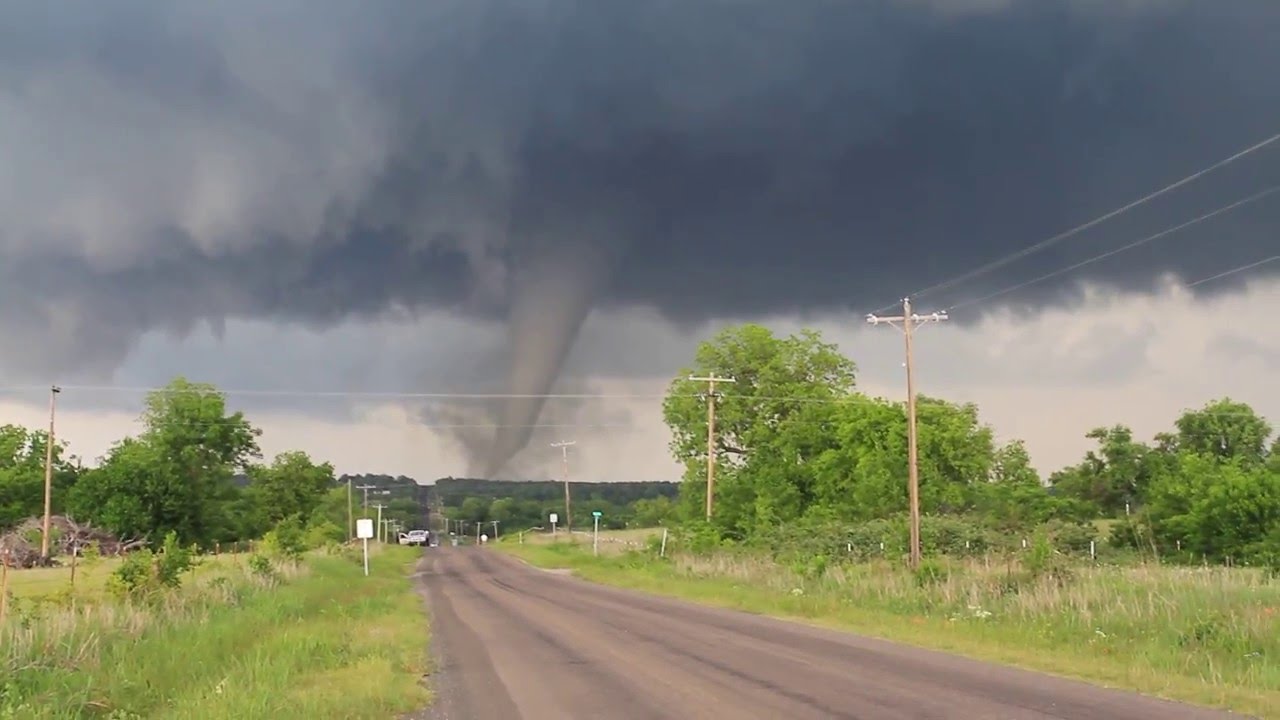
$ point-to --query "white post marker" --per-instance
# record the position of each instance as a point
(554, 519)
(595, 537)
(364, 531)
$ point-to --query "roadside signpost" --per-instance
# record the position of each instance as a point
(595, 536)
(364, 531)
(554, 518)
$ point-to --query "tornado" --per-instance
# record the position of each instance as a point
(552, 291)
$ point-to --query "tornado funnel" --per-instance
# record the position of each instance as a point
(552, 292)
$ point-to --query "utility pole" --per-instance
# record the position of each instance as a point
(364, 504)
(711, 381)
(379, 506)
(909, 322)
(351, 517)
(564, 446)
(48, 478)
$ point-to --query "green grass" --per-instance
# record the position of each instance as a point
(90, 577)
(316, 640)
(1209, 636)
(612, 542)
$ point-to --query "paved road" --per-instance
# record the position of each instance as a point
(516, 642)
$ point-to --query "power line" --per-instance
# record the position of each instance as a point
(1001, 262)
(339, 394)
(1233, 271)
(836, 400)
(1123, 248)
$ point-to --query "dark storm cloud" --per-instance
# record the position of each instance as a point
(177, 161)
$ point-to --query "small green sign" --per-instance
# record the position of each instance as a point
(595, 513)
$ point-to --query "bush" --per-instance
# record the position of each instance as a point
(1070, 537)
(931, 572)
(260, 565)
(699, 536)
(144, 572)
(286, 540)
(322, 533)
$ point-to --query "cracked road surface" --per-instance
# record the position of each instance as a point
(517, 642)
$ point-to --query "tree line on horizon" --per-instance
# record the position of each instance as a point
(195, 470)
(799, 450)
(798, 446)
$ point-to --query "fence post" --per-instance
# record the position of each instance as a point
(663, 551)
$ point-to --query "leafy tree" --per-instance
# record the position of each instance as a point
(474, 509)
(1225, 430)
(292, 484)
(778, 381)
(132, 493)
(1118, 472)
(653, 512)
(22, 456)
(1216, 509)
(176, 475)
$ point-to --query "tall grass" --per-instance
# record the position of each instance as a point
(1202, 634)
(314, 639)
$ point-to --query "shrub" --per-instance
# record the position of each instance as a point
(286, 540)
(144, 572)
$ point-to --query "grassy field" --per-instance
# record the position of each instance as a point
(612, 542)
(315, 640)
(91, 577)
(1204, 635)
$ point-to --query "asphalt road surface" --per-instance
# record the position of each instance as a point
(517, 642)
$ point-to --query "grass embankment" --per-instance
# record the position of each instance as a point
(1203, 635)
(313, 640)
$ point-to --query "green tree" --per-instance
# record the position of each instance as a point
(778, 382)
(474, 509)
(652, 512)
(1115, 474)
(1226, 430)
(176, 475)
(1216, 509)
(22, 456)
(863, 473)
(133, 493)
(293, 484)
(1015, 499)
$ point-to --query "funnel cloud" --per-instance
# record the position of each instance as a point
(173, 163)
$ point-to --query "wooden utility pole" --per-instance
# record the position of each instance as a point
(379, 525)
(351, 518)
(711, 381)
(909, 322)
(48, 478)
(564, 446)
(364, 504)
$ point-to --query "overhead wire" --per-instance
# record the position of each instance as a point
(1233, 271)
(1041, 245)
(1123, 248)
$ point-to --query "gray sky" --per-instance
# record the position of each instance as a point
(1046, 377)
(435, 196)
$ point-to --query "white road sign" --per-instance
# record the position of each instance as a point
(364, 528)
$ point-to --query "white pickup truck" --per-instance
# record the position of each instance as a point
(414, 537)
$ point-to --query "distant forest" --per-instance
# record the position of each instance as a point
(451, 491)
(517, 503)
